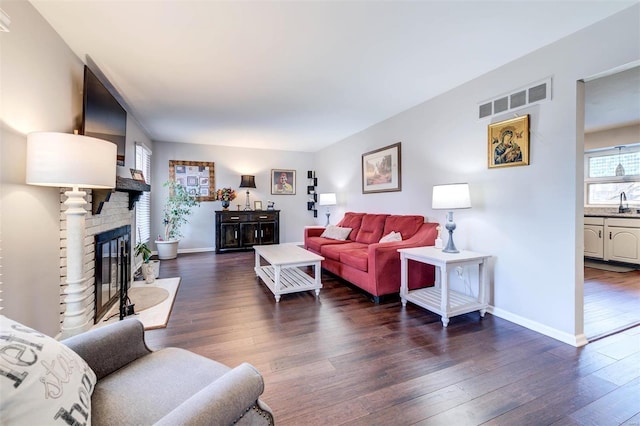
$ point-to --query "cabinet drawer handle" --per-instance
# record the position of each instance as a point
(235, 218)
(236, 235)
(599, 234)
(609, 235)
(255, 234)
(261, 234)
(263, 217)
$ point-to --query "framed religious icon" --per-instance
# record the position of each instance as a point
(508, 143)
(381, 170)
(196, 176)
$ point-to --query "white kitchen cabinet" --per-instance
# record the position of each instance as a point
(622, 240)
(594, 241)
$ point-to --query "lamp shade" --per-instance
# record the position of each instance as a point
(67, 160)
(451, 196)
(327, 199)
(247, 181)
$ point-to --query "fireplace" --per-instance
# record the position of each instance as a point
(112, 267)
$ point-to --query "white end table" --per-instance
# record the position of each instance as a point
(440, 298)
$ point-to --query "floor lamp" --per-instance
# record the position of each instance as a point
(450, 197)
(327, 200)
(64, 160)
(247, 181)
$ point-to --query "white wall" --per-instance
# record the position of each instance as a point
(229, 164)
(40, 90)
(529, 218)
(626, 135)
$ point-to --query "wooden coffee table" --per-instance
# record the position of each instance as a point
(283, 274)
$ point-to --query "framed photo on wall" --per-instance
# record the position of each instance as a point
(381, 170)
(508, 143)
(196, 176)
(283, 182)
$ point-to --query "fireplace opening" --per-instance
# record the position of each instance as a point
(112, 268)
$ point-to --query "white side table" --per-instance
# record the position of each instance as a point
(440, 299)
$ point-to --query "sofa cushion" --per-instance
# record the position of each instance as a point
(333, 251)
(358, 258)
(372, 227)
(44, 381)
(407, 225)
(336, 233)
(315, 244)
(352, 220)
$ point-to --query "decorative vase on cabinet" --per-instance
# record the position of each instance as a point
(225, 205)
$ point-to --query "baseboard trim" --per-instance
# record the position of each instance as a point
(577, 341)
(190, 250)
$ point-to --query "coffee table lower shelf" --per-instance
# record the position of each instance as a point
(292, 280)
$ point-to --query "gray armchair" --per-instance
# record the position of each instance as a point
(170, 386)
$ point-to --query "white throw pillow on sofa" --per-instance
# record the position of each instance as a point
(43, 381)
(336, 233)
(391, 236)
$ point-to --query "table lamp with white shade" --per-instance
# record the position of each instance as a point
(450, 197)
(65, 160)
(328, 199)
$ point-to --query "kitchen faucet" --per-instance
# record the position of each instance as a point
(624, 209)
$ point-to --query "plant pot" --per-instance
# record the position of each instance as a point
(167, 249)
(148, 273)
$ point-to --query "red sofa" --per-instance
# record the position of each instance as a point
(365, 262)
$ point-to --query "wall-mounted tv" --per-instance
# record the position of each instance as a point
(102, 115)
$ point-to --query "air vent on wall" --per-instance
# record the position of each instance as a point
(533, 94)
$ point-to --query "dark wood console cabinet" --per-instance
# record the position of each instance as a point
(241, 230)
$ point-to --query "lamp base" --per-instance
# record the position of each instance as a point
(247, 204)
(328, 214)
(451, 226)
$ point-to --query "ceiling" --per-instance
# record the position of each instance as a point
(299, 75)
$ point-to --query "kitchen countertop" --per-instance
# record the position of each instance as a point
(610, 212)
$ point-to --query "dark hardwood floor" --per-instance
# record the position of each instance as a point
(611, 301)
(340, 359)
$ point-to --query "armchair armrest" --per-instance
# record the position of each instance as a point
(222, 402)
(109, 348)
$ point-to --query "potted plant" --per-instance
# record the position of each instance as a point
(150, 268)
(176, 209)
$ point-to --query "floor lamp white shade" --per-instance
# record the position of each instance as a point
(450, 197)
(328, 199)
(66, 160)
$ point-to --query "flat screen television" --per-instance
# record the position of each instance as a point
(102, 115)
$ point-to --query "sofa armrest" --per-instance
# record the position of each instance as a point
(109, 348)
(384, 260)
(313, 231)
(222, 402)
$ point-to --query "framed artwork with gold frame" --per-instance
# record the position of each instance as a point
(197, 177)
(508, 143)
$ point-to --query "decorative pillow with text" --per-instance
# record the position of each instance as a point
(336, 233)
(41, 380)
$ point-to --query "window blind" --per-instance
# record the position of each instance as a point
(143, 206)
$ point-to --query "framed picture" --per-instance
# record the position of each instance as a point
(257, 205)
(283, 182)
(137, 175)
(381, 170)
(508, 143)
(196, 176)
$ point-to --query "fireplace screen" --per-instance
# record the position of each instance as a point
(111, 270)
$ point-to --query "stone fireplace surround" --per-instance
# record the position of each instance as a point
(116, 212)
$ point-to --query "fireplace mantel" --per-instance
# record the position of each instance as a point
(134, 187)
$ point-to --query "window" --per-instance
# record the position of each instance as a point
(602, 186)
(143, 206)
